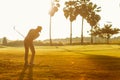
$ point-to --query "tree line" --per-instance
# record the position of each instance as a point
(61, 42)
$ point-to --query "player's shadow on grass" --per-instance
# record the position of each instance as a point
(29, 74)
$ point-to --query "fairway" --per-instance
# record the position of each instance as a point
(81, 62)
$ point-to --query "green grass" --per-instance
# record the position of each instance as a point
(83, 62)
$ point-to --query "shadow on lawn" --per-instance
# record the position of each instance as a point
(30, 73)
(105, 62)
(105, 66)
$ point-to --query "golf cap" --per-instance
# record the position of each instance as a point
(39, 27)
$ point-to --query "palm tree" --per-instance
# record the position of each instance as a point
(54, 8)
(69, 12)
(82, 10)
(75, 8)
(93, 18)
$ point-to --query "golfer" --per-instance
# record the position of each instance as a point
(28, 44)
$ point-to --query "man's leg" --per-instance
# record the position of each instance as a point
(33, 54)
(26, 53)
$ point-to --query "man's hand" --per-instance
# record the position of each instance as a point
(36, 35)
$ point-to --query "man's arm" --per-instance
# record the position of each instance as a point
(36, 36)
(32, 35)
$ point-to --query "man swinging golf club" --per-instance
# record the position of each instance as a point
(28, 44)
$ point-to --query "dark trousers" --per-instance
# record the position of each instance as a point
(29, 45)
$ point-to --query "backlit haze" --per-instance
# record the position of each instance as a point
(27, 14)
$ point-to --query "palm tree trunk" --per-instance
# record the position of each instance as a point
(50, 32)
(70, 33)
(91, 35)
(82, 31)
(107, 40)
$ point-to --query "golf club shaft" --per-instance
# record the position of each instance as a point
(18, 32)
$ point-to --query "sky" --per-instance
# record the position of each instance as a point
(27, 14)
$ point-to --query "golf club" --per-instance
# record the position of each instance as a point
(18, 32)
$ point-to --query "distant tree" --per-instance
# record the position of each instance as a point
(69, 12)
(78, 7)
(82, 10)
(93, 18)
(105, 32)
(86, 9)
(54, 8)
(4, 41)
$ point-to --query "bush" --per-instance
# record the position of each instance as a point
(15, 43)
